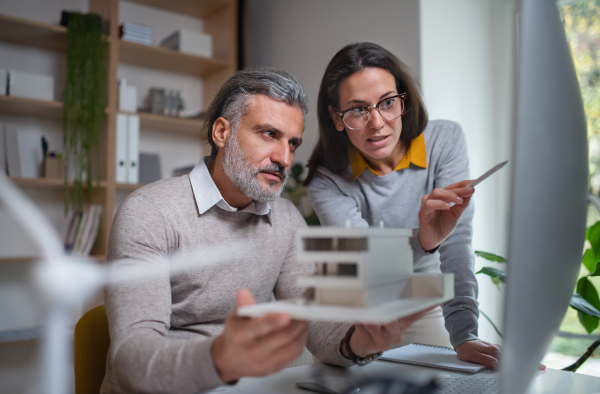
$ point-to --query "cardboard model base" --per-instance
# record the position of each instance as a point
(421, 292)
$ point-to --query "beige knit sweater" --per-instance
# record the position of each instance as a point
(162, 327)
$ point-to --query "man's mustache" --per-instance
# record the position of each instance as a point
(275, 168)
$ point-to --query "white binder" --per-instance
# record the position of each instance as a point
(13, 160)
(2, 151)
(121, 151)
(133, 151)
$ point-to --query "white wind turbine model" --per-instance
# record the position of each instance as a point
(65, 282)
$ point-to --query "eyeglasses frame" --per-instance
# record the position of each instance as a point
(369, 107)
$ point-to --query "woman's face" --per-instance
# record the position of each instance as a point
(378, 138)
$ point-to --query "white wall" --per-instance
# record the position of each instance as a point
(301, 37)
(466, 70)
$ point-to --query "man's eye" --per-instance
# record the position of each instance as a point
(269, 134)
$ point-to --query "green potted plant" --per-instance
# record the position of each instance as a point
(585, 298)
(83, 104)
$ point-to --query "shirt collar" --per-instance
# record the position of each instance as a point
(415, 154)
(207, 194)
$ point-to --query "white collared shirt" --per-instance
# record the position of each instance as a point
(207, 194)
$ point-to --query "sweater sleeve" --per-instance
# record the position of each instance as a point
(456, 253)
(143, 358)
(324, 338)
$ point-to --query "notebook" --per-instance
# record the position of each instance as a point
(430, 356)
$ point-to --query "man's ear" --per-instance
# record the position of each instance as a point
(339, 123)
(221, 130)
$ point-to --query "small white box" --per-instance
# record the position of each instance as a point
(3, 81)
(186, 41)
(29, 85)
(127, 97)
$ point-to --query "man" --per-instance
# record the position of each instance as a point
(179, 332)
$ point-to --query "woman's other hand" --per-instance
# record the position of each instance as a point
(480, 352)
(440, 211)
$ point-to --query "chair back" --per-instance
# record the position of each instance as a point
(91, 342)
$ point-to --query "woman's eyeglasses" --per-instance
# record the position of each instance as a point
(389, 108)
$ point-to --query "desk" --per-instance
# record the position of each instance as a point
(551, 381)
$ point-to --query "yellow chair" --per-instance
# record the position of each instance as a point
(91, 342)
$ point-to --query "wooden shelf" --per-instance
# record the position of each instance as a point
(23, 31)
(129, 186)
(46, 182)
(29, 107)
(168, 60)
(169, 124)
(4, 260)
(195, 8)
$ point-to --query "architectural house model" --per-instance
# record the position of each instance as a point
(362, 275)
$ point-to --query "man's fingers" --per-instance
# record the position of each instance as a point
(276, 343)
(288, 353)
(244, 298)
(250, 329)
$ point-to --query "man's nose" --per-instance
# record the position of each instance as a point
(376, 121)
(282, 154)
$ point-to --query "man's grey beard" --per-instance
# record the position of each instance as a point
(243, 175)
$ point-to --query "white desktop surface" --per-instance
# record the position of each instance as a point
(550, 381)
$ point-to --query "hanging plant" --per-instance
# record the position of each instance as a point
(84, 103)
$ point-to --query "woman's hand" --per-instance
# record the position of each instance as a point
(480, 352)
(440, 211)
(373, 338)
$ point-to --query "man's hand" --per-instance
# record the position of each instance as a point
(438, 216)
(480, 352)
(257, 346)
(372, 338)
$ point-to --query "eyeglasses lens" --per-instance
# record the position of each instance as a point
(389, 109)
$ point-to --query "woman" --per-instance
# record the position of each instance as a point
(378, 159)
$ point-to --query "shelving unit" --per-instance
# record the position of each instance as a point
(26, 32)
(220, 21)
(26, 106)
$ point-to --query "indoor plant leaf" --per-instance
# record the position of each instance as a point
(589, 293)
(581, 305)
(592, 234)
(589, 260)
(490, 256)
(496, 275)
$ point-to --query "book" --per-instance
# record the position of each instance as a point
(93, 232)
(75, 219)
(85, 217)
(430, 356)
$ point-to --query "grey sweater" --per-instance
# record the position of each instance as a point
(162, 328)
(395, 199)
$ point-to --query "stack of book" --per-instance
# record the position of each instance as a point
(83, 229)
(139, 34)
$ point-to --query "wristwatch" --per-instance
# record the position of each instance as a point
(360, 361)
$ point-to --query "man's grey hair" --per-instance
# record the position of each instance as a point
(231, 100)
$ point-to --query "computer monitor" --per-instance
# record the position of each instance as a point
(549, 187)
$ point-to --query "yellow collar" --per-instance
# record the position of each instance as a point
(416, 154)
